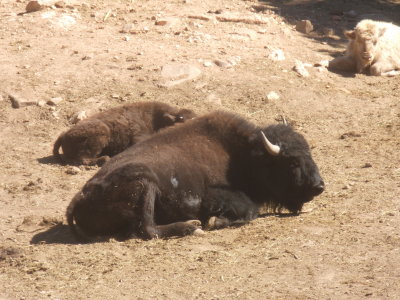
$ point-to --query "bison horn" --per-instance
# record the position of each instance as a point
(271, 148)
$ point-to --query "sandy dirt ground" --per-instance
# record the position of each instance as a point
(98, 54)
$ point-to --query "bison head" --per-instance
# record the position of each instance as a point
(285, 174)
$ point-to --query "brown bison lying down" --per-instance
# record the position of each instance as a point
(215, 170)
(94, 140)
(373, 47)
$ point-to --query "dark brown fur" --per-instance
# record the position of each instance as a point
(213, 167)
(94, 140)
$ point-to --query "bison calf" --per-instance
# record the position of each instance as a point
(218, 169)
(94, 140)
(373, 46)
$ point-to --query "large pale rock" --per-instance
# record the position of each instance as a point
(304, 26)
(18, 102)
(174, 74)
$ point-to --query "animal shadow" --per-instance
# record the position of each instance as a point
(57, 234)
(48, 160)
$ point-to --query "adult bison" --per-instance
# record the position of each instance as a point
(373, 47)
(217, 168)
(94, 140)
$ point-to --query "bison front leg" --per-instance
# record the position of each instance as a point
(224, 207)
(343, 63)
(151, 230)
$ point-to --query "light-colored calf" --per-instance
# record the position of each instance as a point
(373, 46)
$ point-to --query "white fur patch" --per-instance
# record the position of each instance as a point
(174, 182)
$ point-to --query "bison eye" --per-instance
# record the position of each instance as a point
(179, 119)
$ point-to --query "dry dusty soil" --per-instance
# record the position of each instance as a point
(98, 54)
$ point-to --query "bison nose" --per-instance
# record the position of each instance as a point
(318, 188)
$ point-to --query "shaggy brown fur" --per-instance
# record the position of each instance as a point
(94, 140)
(373, 47)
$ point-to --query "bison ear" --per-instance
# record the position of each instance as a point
(350, 34)
(382, 31)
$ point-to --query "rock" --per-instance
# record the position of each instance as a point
(18, 102)
(41, 103)
(55, 101)
(323, 63)
(276, 55)
(304, 26)
(207, 64)
(222, 63)
(161, 22)
(33, 6)
(367, 165)
(213, 99)
(273, 96)
(72, 170)
(176, 73)
(299, 67)
(79, 116)
(59, 4)
(128, 28)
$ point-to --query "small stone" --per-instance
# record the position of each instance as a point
(33, 6)
(18, 102)
(161, 22)
(59, 4)
(87, 57)
(222, 64)
(41, 103)
(367, 165)
(273, 96)
(299, 67)
(276, 55)
(128, 28)
(72, 170)
(79, 116)
(304, 26)
(55, 101)
(207, 64)
(323, 63)
(115, 96)
(126, 38)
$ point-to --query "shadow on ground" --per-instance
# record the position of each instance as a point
(337, 15)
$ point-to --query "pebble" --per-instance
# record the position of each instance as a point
(299, 67)
(72, 170)
(33, 6)
(222, 64)
(276, 55)
(304, 26)
(273, 96)
(18, 102)
(55, 101)
(207, 64)
(59, 4)
(79, 116)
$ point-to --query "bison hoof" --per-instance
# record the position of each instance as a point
(196, 223)
(211, 223)
(198, 231)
